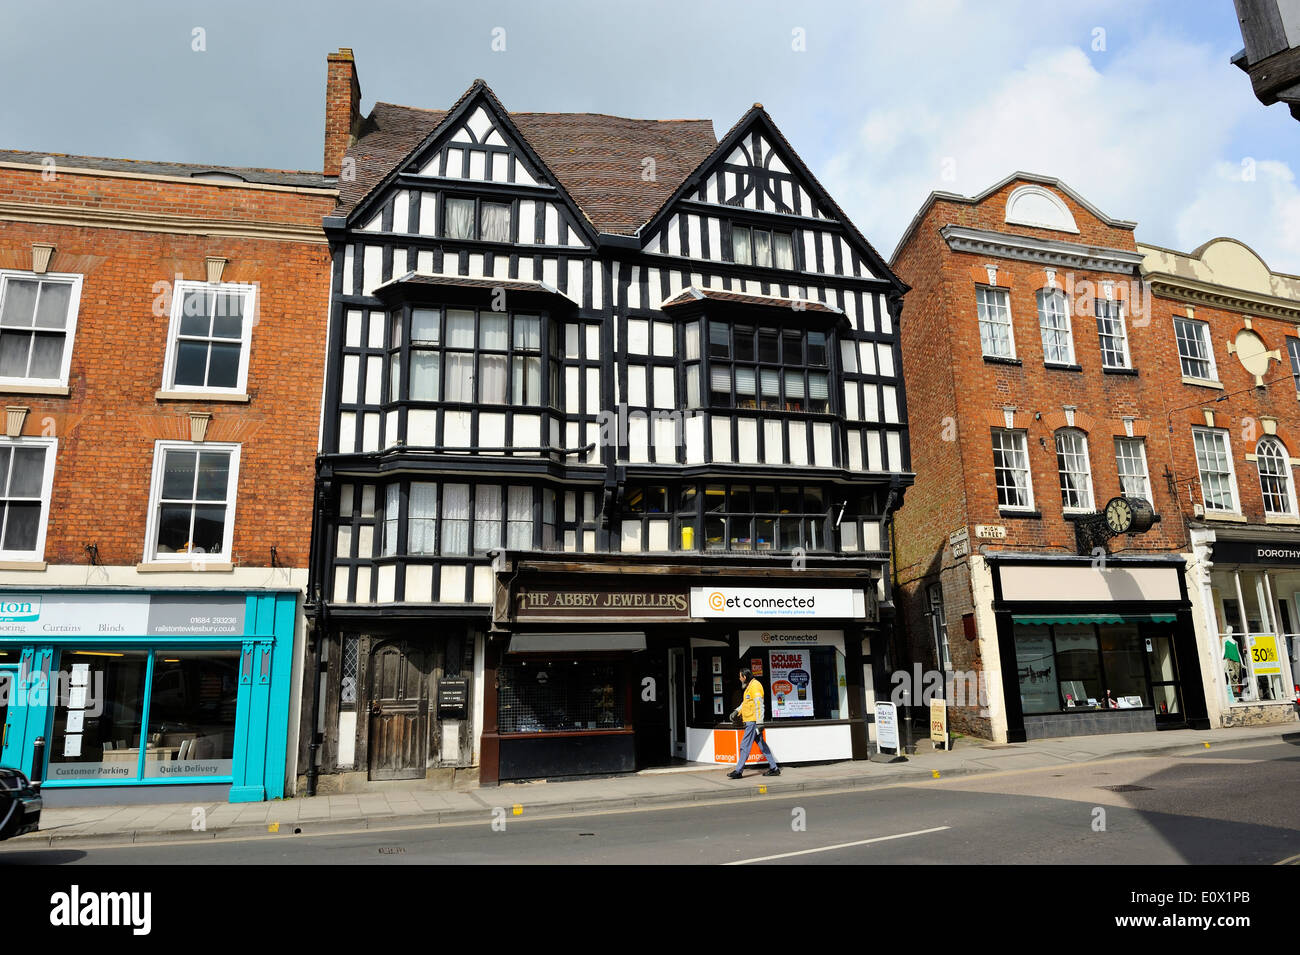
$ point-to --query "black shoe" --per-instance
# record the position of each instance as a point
(734, 775)
(773, 772)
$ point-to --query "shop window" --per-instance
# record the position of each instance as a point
(1036, 669)
(1122, 660)
(208, 340)
(192, 712)
(98, 716)
(798, 682)
(555, 696)
(38, 319)
(192, 502)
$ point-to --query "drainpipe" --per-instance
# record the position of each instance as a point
(318, 613)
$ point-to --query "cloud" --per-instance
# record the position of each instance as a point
(1147, 130)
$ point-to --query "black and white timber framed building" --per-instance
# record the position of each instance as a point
(612, 407)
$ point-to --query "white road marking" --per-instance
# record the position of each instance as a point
(842, 845)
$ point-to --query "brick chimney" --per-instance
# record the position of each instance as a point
(342, 108)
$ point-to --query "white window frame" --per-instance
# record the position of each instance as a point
(160, 448)
(1281, 451)
(1226, 448)
(51, 446)
(1050, 292)
(1122, 320)
(1142, 456)
(70, 327)
(1005, 295)
(1203, 339)
(1087, 503)
(1022, 439)
(939, 625)
(245, 343)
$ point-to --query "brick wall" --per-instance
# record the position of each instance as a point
(109, 422)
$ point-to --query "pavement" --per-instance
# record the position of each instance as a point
(688, 784)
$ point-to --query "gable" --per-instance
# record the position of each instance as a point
(754, 176)
(477, 150)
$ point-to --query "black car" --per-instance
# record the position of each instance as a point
(20, 804)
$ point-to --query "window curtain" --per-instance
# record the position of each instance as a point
(740, 246)
(763, 249)
(459, 216)
(422, 518)
(782, 252)
(492, 379)
(392, 501)
(520, 515)
(460, 377)
(496, 222)
(487, 517)
(455, 519)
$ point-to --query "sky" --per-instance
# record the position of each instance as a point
(1134, 103)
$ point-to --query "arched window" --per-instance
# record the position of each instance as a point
(1275, 480)
(1076, 475)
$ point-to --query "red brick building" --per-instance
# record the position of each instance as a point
(1038, 389)
(162, 344)
(1234, 438)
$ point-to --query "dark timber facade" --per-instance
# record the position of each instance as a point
(612, 408)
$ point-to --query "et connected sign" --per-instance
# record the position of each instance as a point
(725, 602)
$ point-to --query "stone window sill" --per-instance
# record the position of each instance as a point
(998, 360)
(1021, 515)
(184, 567)
(1202, 382)
(1280, 519)
(1231, 518)
(1120, 371)
(164, 395)
(54, 391)
(37, 565)
(1058, 366)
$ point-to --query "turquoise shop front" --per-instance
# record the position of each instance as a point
(148, 696)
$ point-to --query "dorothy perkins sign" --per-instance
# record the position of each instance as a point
(1256, 552)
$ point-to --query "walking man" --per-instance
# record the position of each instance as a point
(751, 714)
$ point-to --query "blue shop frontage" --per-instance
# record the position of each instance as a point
(148, 696)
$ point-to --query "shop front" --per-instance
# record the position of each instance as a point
(1089, 647)
(1251, 597)
(605, 673)
(148, 696)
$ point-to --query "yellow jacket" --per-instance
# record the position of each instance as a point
(751, 705)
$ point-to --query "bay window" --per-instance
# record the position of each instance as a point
(752, 367)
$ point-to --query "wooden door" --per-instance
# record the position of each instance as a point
(399, 711)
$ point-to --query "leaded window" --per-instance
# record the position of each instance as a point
(752, 366)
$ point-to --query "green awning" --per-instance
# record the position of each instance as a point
(1065, 618)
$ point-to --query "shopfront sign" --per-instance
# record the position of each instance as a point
(548, 603)
(735, 602)
(1256, 552)
(127, 615)
(1264, 657)
(792, 638)
(939, 722)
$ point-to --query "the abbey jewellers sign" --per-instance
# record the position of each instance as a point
(601, 603)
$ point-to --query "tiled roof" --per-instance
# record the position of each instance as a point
(596, 158)
(693, 294)
(183, 170)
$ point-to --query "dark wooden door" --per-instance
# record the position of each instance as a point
(399, 711)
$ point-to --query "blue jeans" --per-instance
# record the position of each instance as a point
(752, 733)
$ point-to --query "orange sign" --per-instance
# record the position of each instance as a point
(726, 742)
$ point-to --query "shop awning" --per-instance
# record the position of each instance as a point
(574, 642)
(1064, 618)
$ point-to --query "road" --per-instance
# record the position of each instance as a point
(1227, 806)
